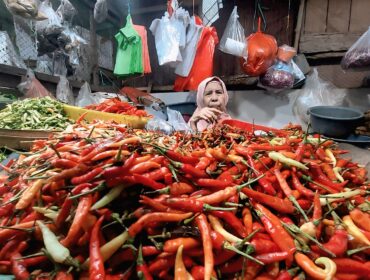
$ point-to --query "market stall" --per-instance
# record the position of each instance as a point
(123, 156)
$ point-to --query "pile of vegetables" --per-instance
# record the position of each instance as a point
(7, 97)
(101, 201)
(116, 106)
(34, 113)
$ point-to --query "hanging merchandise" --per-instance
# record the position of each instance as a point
(84, 96)
(262, 49)
(53, 20)
(141, 30)
(25, 8)
(32, 88)
(129, 51)
(170, 35)
(210, 11)
(100, 10)
(358, 55)
(233, 40)
(64, 91)
(66, 11)
(315, 92)
(203, 63)
(188, 53)
(281, 75)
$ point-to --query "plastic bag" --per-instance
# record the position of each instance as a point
(53, 20)
(64, 91)
(32, 88)
(358, 55)
(100, 10)
(170, 35)
(315, 92)
(203, 63)
(175, 122)
(233, 40)
(66, 11)
(262, 49)
(84, 96)
(25, 9)
(279, 76)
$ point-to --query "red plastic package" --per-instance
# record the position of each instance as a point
(203, 62)
(262, 49)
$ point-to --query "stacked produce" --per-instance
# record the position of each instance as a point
(34, 113)
(116, 106)
(101, 201)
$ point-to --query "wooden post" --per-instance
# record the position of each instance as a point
(93, 50)
(298, 28)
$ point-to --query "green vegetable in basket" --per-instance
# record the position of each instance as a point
(34, 113)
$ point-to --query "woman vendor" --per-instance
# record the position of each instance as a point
(212, 98)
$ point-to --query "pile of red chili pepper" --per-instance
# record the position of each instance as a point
(101, 201)
(116, 106)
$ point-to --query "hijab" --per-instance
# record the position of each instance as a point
(202, 124)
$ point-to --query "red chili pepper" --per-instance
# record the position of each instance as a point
(19, 269)
(171, 245)
(268, 147)
(320, 153)
(232, 221)
(321, 178)
(346, 265)
(264, 246)
(328, 170)
(223, 256)
(191, 170)
(159, 264)
(82, 211)
(69, 173)
(96, 264)
(62, 275)
(141, 267)
(263, 182)
(143, 167)
(87, 177)
(158, 174)
(272, 257)
(200, 193)
(120, 171)
(136, 227)
(185, 204)
(360, 218)
(277, 232)
(8, 247)
(155, 204)
(203, 163)
(346, 276)
(148, 182)
(181, 158)
(34, 261)
(180, 188)
(317, 215)
(299, 187)
(63, 163)
(274, 202)
(204, 228)
(305, 204)
(168, 179)
(217, 240)
(341, 162)
(212, 184)
(247, 220)
(337, 243)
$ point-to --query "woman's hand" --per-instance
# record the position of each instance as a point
(210, 115)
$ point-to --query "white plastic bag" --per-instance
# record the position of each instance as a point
(233, 40)
(315, 92)
(66, 11)
(32, 88)
(84, 96)
(358, 55)
(64, 91)
(170, 36)
(53, 21)
(175, 122)
(100, 10)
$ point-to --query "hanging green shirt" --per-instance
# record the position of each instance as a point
(129, 51)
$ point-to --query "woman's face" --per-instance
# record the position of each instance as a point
(214, 96)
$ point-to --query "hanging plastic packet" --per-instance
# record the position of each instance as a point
(32, 88)
(66, 11)
(281, 75)
(64, 91)
(100, 10)
(53, 22)
(357, 58)
(25, 9)
(233, 40)
(262, 49)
